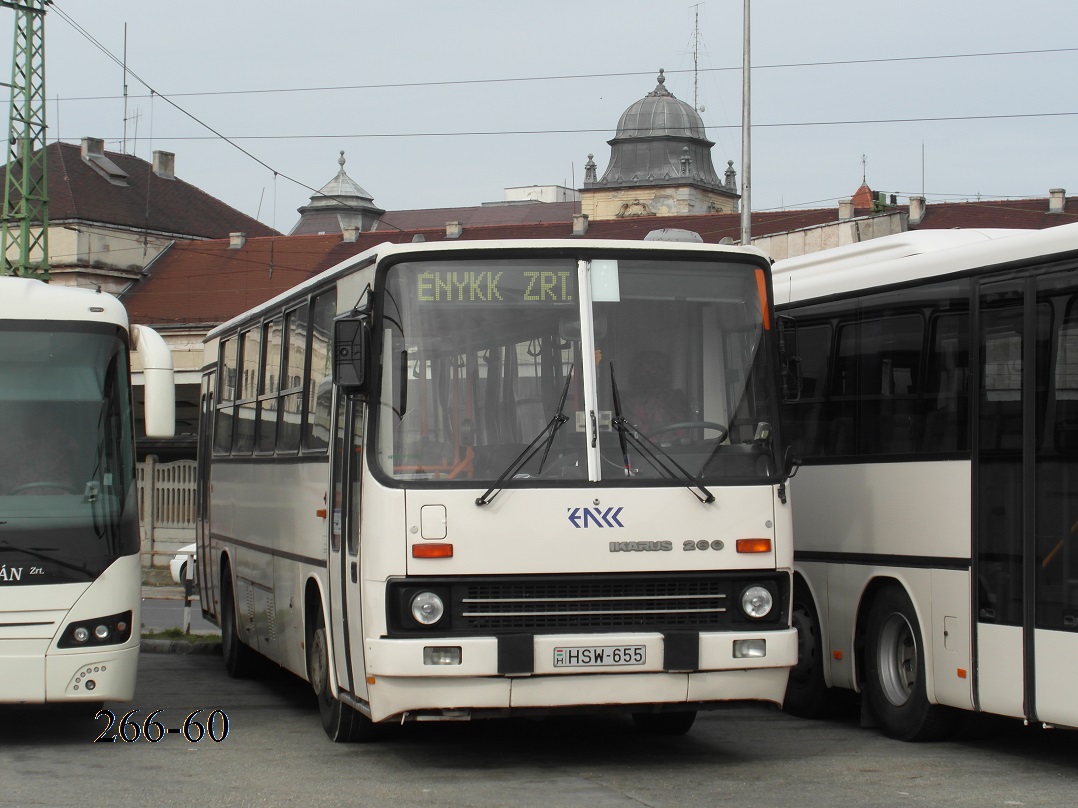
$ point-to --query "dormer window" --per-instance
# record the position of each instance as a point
(93, 153)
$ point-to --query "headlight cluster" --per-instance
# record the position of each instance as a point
(112, 630)
(427, 608)
(757, 601)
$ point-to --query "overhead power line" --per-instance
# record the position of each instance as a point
(565, 77)
(232, 140)
(607, 130)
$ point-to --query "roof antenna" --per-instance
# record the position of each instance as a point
(124, 149)
(696, 60)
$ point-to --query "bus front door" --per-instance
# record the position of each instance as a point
(344, 574)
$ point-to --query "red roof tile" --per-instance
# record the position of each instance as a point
(147, 202)
(205, 283)
(1025, 214)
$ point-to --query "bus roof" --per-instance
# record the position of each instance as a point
(32, 299)
(418, 249)
(910, 256)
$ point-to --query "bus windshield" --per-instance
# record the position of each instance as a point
(67, 477)
(486, 371)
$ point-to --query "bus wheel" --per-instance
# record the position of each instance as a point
(341, 722)
(895, 672)
(807, 694)
(665, 723)
(239, 658)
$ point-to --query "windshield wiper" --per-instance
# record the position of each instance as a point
(622, 440)
(548, 432)
(560, 417)
(6, 547)
(654, 453)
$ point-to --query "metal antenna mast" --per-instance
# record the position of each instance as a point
(696, 60)
(25, 217)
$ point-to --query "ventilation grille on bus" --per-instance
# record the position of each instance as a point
(567, 605)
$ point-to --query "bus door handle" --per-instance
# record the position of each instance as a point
(355, 572)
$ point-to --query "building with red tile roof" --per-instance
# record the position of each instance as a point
(110, 214)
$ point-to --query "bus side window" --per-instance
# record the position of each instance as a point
(320, 388)
(226, 395)
(290, 413)
(947, 393)
(806, 414)
(1066, 383)
(243, 439)
(269, 386)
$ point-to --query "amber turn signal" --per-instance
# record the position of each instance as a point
(754, 545)
(432, 551)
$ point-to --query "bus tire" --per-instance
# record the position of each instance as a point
(895, 672)
(807, 694)
(239, 659)
(673, 723)
(340, 722)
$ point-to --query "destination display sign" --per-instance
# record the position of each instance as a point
(483, 287)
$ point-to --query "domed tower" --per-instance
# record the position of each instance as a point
(341, 204)
(660, 164)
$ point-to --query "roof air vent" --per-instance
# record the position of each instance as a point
(673, 234)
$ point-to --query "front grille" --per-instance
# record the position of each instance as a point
(553, 604)
(607, 605)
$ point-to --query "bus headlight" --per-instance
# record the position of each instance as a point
(112, 630)
(427, 608)
(757, 601)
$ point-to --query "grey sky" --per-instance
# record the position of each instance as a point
(211, 57)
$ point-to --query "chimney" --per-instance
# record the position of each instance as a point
(917, 209)
(92, 147)
(349, 234)
(164, 165)
(453, 229)
(845, 209)
(580, 224)
(1057, 200)
(236, 241)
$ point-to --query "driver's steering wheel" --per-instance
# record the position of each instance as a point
(44, 484)
(723, 431)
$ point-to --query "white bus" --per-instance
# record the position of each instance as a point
(457, 480)
(70, 571)
(936, 558)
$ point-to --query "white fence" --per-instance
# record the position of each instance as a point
(166, 497)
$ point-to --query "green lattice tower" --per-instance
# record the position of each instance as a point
(25, 217)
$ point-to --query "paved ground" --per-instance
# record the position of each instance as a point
(163, 607)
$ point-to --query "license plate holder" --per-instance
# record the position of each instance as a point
(599, 656)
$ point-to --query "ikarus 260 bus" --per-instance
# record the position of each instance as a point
(474, 479)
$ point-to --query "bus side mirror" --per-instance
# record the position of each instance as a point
(351, 366)
(160, 384)
(789, 361)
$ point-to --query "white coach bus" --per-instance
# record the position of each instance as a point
(936, 559)
(446, 481)
(70, 571)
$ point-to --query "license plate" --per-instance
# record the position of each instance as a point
(590, 656)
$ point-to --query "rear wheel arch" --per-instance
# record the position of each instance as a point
(873, 590)
(897, 668)
(226, 578)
